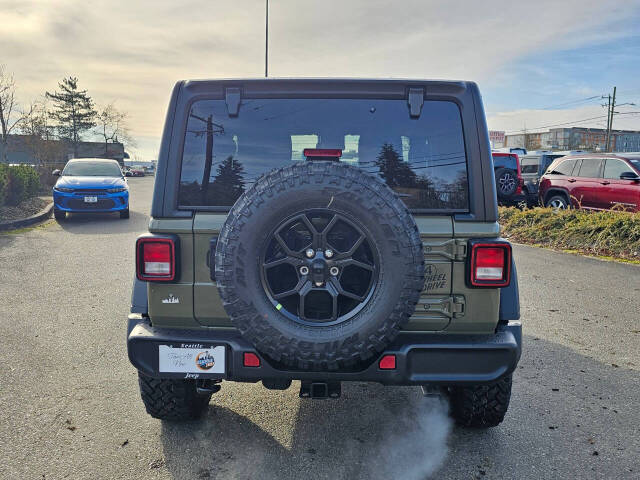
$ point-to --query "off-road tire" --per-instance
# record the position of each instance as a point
(481, 406)
(504, 173)
(124, 213)
(342, 188)
(59, 215)
(169, 399)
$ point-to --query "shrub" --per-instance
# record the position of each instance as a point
(4, 183)
(609, 233)
(24, 183)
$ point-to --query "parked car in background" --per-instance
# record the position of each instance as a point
(533, 166)
(506, 167)
(517, 150)
(593, 181)
(90, 185)
(136, 171)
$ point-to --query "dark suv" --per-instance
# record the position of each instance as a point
(325, 231)
(593, 181)
(508, 179)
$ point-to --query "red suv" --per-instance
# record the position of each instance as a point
(509, 182)
(594, 181)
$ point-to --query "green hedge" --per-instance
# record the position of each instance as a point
(4, 183)
(18, 183)
(610, 233)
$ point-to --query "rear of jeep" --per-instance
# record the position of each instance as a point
(325, 231)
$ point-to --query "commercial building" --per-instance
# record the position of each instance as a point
(35, 151)
(577, 138)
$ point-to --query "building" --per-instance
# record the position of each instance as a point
(577, 138)
(35, 150)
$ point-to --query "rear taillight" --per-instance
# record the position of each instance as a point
(155, 259)
(490, 264)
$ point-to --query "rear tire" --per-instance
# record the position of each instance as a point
(169, 399)
(124, 213)
(557, 202)
(59, 215)
(481, 406)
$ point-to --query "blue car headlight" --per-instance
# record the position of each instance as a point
(117, 190)
(63, 189)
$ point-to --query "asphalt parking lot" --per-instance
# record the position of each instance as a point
(69, 403)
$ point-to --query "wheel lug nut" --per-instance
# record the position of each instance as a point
(328, 253)
(304, 270)
(334, 271)
(310, 252)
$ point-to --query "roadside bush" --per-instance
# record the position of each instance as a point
(4, 183)
(24, 183)
(612, 233)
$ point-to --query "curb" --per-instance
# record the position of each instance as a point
(25, 222)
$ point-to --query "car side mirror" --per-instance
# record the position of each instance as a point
(56, 173)
(629, 176)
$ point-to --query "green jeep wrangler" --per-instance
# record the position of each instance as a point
(325, 231)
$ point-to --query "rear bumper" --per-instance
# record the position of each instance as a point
(421, 358)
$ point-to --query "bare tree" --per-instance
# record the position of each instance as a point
(113, 127)
(10, 117)
(39, 138)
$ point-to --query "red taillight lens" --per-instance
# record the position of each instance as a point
(250, 359)
(388, 362)
(156, 259)
(322, 152)
(490, 264)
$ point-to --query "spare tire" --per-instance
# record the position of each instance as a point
(319, 265)
(506, 182)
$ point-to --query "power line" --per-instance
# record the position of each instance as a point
(571, 102)
(556, 124)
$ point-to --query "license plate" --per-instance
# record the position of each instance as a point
(191, 360)
(90, 199)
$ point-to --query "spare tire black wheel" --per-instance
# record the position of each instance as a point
(319, 265)
(506, 182)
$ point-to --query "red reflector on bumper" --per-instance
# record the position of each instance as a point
(388, 362)
(250, 360)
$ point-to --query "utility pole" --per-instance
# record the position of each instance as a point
(612, 106)
(266, 42)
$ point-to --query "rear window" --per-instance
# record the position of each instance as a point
(505, 161)
(564, 167)
(423, 159)
(529, 164)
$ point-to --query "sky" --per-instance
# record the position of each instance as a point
(537, 63)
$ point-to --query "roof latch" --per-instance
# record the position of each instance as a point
(415, 100)
(232, 97)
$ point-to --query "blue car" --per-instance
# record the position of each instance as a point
(90, 185)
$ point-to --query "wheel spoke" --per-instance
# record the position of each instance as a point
(355, 263)
(286, 260)
(345, 293)
(285, 247)
(295, 290)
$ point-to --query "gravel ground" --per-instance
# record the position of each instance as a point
(24, 209)
(69, 403)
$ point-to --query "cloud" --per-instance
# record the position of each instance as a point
(134, 51)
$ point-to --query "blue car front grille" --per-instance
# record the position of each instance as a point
(90, 192)
(101, 204)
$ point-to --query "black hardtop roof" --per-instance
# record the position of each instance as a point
(326, 86)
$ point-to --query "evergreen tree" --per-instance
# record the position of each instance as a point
(227, 185)
(395, 171)
(73, 111)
